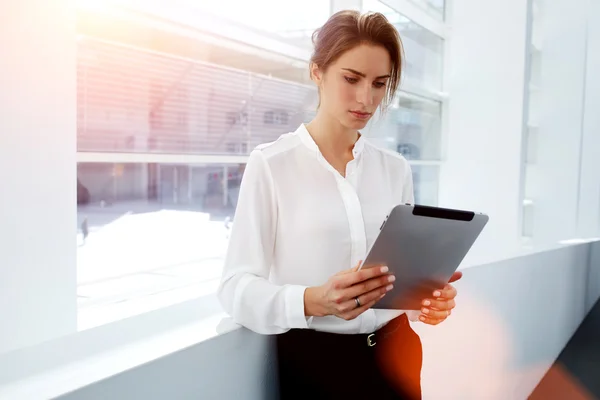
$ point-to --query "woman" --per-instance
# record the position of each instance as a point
(311, 203)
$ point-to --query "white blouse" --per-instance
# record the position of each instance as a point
(298, 222)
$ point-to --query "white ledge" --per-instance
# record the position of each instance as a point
(89, 357)
(75, 375)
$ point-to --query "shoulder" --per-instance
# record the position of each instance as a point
(392, 159)
(284, 144)
(271, 156)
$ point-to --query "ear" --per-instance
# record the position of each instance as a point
(315, 73)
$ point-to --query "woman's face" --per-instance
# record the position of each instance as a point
(354, 85)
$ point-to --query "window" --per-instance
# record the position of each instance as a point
(153, 226)
(560, 135)
(268, 117)
(295, 22)
(436, 8)
(423, 52)
(150, 235)
(412, 127)
(423, 49)
(276, 117)
(425, 182)
(203, 119)
(231, 147)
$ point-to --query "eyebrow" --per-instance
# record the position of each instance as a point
(363, 75)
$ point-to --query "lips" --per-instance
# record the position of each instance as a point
(360, 115)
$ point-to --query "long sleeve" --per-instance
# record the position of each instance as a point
(245, 291)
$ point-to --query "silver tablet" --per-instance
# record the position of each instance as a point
(422, 246)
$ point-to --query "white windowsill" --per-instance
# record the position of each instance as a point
(78, 374)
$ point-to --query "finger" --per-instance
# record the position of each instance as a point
(359, 310)
(455, 276)
(384, 283)
(346, 280)
(349, 303)
(353, 269)
(430, 321)
(448, 292)
(439, 304)
(435, 314)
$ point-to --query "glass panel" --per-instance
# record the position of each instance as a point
(426, 182)
(138, 101)
(294, 21)
(150, 235)
(423, 49)
(437, 7)
(559, 201)
(411, 127)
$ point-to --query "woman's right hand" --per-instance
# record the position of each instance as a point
(337, 296)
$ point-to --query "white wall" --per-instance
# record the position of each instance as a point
(513, 319)
(37, 165)
(589, 218)
(237, 365)
(485, 60)
(555, 175)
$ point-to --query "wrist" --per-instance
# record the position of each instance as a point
(312, 308)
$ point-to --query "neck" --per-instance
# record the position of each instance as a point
(330, 135)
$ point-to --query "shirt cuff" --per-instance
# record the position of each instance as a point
(413, 315)
(294, 307)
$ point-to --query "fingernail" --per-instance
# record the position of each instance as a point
(384, 270)
(437, 293)
(391, 278)
(425, 311)
(426, 303)
(389, 287)
(422, 318)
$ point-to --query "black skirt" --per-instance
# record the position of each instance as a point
(321, 365)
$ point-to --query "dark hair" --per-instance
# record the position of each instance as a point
(347, 29)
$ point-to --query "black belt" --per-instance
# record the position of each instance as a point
(359, 339)
(388, 330)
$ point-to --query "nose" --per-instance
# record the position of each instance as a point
(365, 94)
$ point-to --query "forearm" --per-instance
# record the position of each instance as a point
(312, 303)
(262, 306)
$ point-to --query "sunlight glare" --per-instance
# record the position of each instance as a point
(97, 5)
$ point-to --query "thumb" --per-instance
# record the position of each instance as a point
(357, 266)
(353, 269)
(455, 276)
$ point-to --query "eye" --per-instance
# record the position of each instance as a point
(379, 85)
(350, 79)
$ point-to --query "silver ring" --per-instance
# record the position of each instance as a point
(357, 302)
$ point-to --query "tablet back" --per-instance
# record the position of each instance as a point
(422, 246)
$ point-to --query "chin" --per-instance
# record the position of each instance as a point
(352, 123)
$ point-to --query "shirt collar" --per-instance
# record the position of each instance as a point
(309, 142)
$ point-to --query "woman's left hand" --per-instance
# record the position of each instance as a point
(439, 307)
